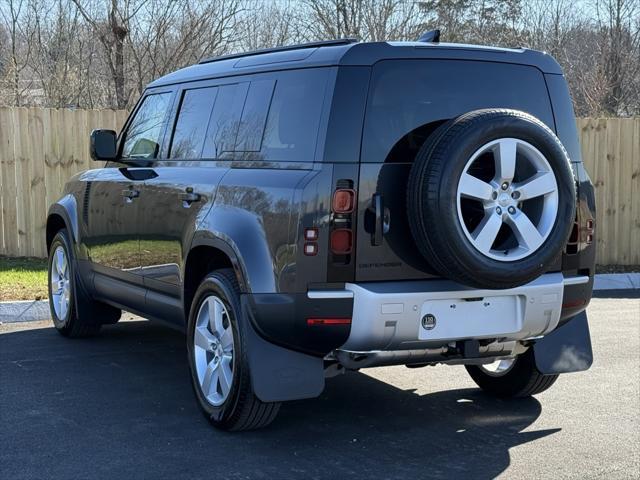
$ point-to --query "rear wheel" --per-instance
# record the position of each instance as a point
(218, 360)
(511, 377)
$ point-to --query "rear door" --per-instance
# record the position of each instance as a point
(184, 185)
(407, 101)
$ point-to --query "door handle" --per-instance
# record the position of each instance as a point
(189, 196)
(379, 220)
(129, 194)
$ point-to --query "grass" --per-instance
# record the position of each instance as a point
(23, 278)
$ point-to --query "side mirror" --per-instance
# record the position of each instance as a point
(102, 145)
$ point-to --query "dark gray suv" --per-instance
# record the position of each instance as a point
(307, 210)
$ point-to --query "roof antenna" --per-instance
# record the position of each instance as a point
(432, 36)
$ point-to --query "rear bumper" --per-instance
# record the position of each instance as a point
(392, 316)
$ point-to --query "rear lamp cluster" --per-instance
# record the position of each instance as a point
(589, 230)
(343, 203)
(580, 233)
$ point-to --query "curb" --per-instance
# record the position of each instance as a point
(616, 281)
(38, 310)
(24, 311)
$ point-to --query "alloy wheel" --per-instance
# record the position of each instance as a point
(60, 283)
(213, 350)
(499, 367)
(507, 199)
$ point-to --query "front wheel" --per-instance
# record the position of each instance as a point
(511, 377)
(218, 358)
(73, 312)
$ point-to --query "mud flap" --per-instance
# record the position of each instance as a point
(567, 349)
(279, 374)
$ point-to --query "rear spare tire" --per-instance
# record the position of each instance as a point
(491, 199)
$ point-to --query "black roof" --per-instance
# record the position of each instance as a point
(350, 52)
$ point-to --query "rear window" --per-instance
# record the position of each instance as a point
(225, 120)
(191, 127)
(291, 131)
(409, 98)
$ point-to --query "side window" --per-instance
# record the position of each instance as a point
(291, 130)
(142, 139)
(191, 126)
(225, 119)
(254, 116)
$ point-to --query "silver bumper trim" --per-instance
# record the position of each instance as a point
(389, 315)
(576, 280)
(328, 294)
(325, 294)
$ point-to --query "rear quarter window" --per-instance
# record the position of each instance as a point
(408, 99)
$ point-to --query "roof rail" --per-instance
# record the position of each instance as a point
(324, 43)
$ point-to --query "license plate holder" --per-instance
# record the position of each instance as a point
(481, 317)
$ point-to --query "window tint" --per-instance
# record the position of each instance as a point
(191, 127)
(407, 95)
(142, 139)
(294, 116)
(254, 116)
(225, 118)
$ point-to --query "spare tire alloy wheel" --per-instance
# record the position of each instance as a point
(491, 199)
(522, 195)
(213, 350)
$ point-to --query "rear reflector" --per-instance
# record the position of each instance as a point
(310, 249)
(311, 234)
(343, 201)
(328, 321)
(574, 303)
(341, 241)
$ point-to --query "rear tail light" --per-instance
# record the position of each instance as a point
(341, 241)
(343, 200)
(328, 321)
(341, 234)
(589, 224)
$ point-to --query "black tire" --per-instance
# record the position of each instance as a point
(241, 410)
(432, 203)
(523, 379)
(84, 317)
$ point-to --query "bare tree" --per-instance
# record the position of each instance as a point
(266, 24)
(16, 20)
(110, 19)
(619, 52)
(164, 36)
(97, 53)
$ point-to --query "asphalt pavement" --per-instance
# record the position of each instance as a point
(120, 406)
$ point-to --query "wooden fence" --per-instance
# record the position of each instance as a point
(41, 148)
(611, 154)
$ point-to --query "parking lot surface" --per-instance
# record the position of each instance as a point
(120, 406)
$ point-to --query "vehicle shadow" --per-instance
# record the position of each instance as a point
(120, 406)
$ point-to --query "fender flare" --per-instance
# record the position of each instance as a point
(206, 239)
(67, 209)
(240, 235)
